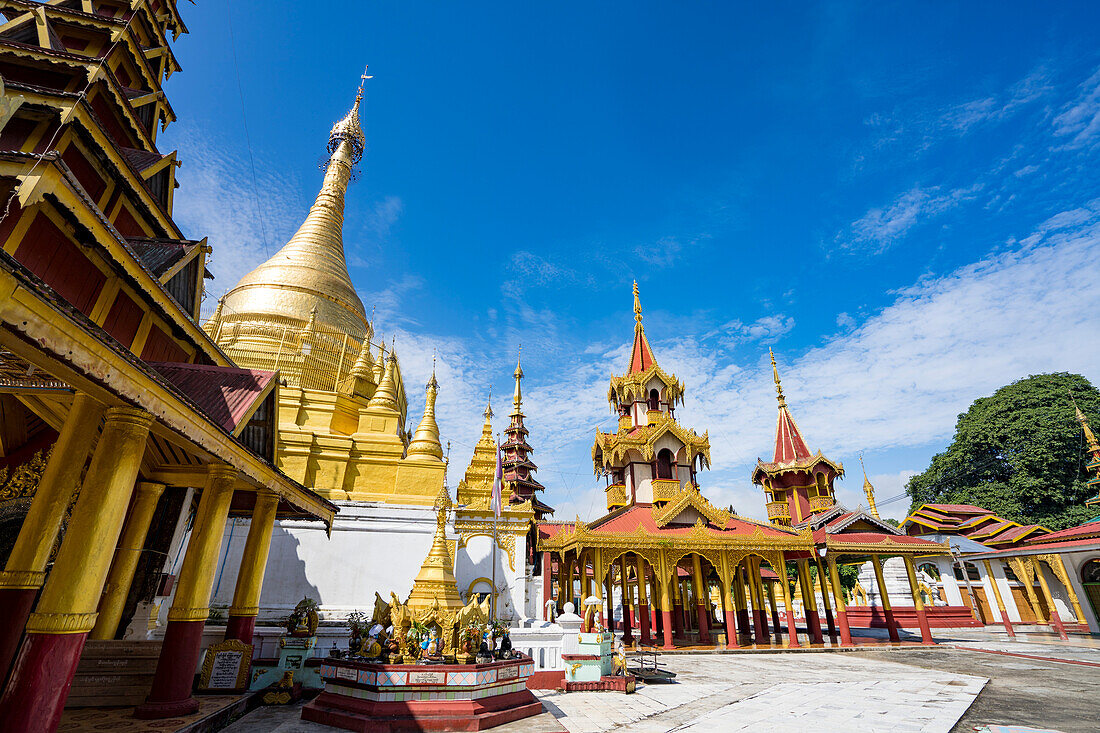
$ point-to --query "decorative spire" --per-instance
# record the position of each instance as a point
(789, 443)
(348, 129)
(489, 411)
(425, 442)
(385, 397)
(364, 364)
(641, 355)
(775, 376)
(868, 489)
(1090, 439)
(380, 365)
(311, 271)
(517, 396)
(435, 584)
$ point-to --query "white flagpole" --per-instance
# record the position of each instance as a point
(497, 500)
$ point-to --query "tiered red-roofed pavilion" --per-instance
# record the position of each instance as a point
(665, 546)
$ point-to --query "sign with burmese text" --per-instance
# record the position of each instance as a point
(225, 668)
(426, 678)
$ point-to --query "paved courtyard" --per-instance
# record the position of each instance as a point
(964, 684)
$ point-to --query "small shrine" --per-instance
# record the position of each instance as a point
(429, 656)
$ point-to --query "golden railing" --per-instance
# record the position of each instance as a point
(665, 489)
(821, 503)
(616, 495)
(778, 510)
(654, 416)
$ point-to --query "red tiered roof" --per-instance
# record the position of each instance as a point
(641, 356)
(789, 443)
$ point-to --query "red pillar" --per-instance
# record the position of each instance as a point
(666, 618)
(179, 655)
(1007, 622)
(16, 605)
(891, 624)
(547, 583)
(643, 612)
(775, 615)
(241, 628)
(813, 621)
(704, 625)
(925, 631)
(40, 681)
(845, 632)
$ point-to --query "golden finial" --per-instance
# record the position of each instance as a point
(363, 366)
(362, 81)
(1090, 438)
(775, 376)
(489, 407)
(385, 396)
(868, 489)
(637, 306)
(517, 396)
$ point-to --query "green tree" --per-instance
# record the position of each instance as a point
(1019, 453)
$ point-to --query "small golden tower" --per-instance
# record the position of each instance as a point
(869, 490)
(435, 584)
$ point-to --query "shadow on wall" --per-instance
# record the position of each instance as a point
(285, 579)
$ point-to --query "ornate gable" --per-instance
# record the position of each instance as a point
(690, 498)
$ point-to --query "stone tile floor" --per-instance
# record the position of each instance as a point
(904, 689)
(776, 693)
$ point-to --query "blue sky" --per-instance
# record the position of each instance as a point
(900, 199)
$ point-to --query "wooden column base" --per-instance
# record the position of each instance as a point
(16, 605)
(241, 628)
(813, 622)
(35, 694)
(179, 655)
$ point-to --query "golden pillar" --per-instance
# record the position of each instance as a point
(809, 602)
(111, 605)
(196, 581)
(66, 610)
(643, 601)
(171, 691)
(628, 601)
(838, 597)
(918, 602)
(888, 612)
(250, 577)
(756, 593)
(568, 587)
(1000, 601)
(26, 564)
(702, 599)
(1055, 618)
(784, 583)
(822, 580)
(25, 569)
(1060, 571)
(71, 595)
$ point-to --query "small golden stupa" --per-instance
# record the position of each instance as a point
(435, 586)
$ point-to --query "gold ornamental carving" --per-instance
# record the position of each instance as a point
(22, 579)
(61, 623)
(23, 481)
(198, 613)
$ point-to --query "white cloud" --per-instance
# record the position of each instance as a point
(879, 228)
(1079, 120)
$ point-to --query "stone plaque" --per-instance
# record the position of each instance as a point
(225, 668)
(347, 673)
(427, 678)
(508, 673)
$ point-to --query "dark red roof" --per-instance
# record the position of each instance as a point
(159, 255)
(141, 159)
(224, 394)
(1081, 530)
(635, 516)
(551, 529)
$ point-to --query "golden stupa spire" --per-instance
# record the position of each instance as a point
(380, 364)
(869, 490)
(775, 376)
(425, 442)
(310, 271)
(1090, 438)
(637, 307)
(517, 396)
(385, 396)
(435, 584)
(364, 363)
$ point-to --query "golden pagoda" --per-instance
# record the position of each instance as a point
(474, 515)
(435, 586)
(342, 410)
